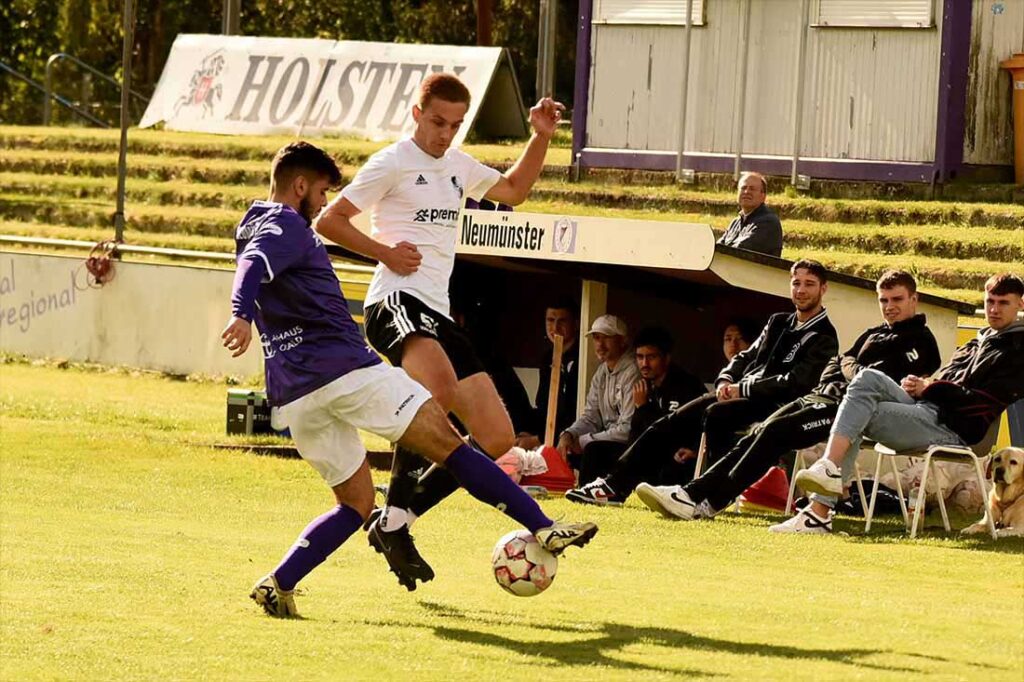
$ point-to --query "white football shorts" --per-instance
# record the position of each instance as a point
(325, 423)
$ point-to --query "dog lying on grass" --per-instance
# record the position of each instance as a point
(1006, 499)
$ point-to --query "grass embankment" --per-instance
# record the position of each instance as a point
(185, 189)
(129, 546)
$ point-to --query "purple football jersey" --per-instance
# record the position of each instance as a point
(308, 334)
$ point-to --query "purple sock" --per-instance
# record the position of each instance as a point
(482, 479)
(321, 537)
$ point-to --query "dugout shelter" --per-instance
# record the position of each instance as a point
(510, 266)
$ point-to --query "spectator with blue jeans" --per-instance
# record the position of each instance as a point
(956, 406)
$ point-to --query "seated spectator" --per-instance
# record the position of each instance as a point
(782, 364)
(559, 318)
(954, 407)
(664, 386)
(737, 337)
(604, 425)
(901, 345)
(757, 228)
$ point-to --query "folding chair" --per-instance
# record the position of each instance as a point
(943, 453)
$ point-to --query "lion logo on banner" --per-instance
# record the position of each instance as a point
(203, 86)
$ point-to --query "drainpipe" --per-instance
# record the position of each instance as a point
(798, 97)
(686, 86)
(741, 96)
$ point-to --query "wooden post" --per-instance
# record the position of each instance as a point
(556, 377)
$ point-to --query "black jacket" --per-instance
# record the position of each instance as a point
(570, 372)
(984, 376)
(907, 347)
(760, 231)
(677, 388)
(784, 363)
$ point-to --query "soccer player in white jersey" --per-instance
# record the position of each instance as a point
(414, 190)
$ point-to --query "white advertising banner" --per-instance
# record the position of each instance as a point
(249, 85)
(585, 239)
(163, 317)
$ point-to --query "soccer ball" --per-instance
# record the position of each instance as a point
(521, 565)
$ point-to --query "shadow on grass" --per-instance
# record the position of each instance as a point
(600, 640)
(889, 530)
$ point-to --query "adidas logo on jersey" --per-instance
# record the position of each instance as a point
(420, 180)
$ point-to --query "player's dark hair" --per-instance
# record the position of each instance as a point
(891, 279)
(811, 266)
(303, 158)
(654, 336)
(443, 86)
(749, 329)
(1005, 283)
(564, 303)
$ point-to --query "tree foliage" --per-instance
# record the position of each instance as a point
(32, 30)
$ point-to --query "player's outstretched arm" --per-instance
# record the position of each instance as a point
(335, 223)
(515, 185)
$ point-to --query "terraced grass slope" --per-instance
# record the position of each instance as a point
(186, 190)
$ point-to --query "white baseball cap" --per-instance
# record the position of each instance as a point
(609, 325)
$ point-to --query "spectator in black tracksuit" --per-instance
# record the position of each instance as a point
(901, 346)
(784, 363)
(756, 228)
(956, 406)
(663, 388)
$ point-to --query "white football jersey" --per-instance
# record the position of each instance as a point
(413, 197)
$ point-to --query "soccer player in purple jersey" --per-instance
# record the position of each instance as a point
(327, 383)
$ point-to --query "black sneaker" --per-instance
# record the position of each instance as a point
(597, 492)
(398, 548)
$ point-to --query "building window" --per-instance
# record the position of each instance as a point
(876, 13)
(652, 12)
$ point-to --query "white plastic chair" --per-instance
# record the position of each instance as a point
(943, 453)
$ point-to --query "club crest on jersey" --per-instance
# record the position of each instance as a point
(420, 180)
(457, 185)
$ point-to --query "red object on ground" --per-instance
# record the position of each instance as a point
(770, 491)
(559, 477)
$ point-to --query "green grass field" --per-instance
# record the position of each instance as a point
(128, 545)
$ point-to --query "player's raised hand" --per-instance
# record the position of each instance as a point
(237, 336)
(403, 258)
(544, 117)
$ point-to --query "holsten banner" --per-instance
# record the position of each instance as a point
(643, 243)
(247, 85)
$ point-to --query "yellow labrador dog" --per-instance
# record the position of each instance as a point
(1006, 500)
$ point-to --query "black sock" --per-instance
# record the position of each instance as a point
(406, 470)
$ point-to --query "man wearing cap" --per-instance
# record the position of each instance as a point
(602, 431)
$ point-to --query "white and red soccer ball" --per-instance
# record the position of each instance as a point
(521, 565)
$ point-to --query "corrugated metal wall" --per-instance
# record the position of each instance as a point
(869, 94)
(997, 32)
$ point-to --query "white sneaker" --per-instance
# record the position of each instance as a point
(805, 522)
(671, 501)
(275, 601)
(822, 477)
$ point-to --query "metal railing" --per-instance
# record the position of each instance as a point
(48, 83)
(67, 104)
